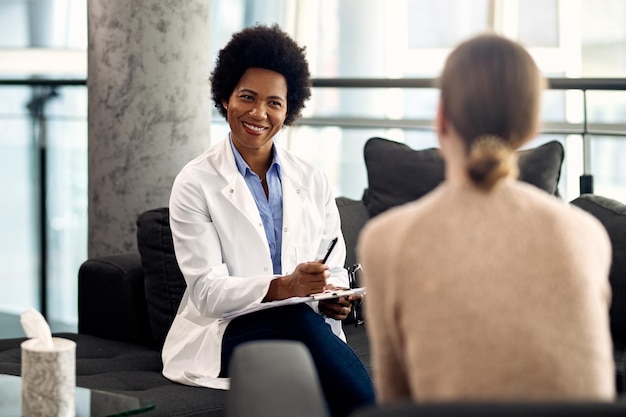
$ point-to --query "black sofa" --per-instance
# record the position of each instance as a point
(127, 301)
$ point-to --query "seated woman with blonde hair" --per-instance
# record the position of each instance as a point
(488, 288)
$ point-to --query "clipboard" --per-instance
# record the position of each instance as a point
(326, 295)
(331, 294)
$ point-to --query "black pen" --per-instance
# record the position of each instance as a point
(330, 249)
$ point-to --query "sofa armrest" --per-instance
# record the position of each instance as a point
(111, 299)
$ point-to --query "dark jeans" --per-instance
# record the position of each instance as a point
(345, 381)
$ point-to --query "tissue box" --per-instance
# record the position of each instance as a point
(48, 378)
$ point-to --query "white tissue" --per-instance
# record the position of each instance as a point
(35, 326)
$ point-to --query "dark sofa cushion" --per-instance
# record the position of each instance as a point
(612, 214)
(398, 174)
(353, 215)
(164, 283)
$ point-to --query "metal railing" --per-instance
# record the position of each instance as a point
(584, 128)
(581, 84)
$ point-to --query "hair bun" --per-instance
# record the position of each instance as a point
(490, 159)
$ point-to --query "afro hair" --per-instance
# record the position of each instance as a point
(268, 48)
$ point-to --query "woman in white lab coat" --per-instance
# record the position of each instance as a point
(251, 223)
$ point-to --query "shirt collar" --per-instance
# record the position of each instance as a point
(242, 165)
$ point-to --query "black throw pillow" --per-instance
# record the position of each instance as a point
(164, 284)
(398, 174)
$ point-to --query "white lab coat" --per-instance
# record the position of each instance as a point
(223, 253)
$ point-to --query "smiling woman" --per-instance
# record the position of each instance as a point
(251, 223)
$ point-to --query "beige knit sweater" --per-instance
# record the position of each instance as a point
(488, 296)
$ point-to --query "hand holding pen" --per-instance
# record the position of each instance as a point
(337, 308)
(307, 278)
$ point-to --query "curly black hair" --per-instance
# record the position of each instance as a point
(265, 47)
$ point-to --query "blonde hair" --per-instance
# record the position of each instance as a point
(491, 91)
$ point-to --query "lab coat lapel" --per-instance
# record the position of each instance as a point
(236, 191)
(295, 195)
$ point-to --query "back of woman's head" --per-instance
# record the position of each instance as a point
(490, 92)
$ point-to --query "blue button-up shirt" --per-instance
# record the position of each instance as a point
(270, 207)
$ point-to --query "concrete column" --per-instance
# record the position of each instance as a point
(149, 108)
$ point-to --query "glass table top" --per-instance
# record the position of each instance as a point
(89, 403)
